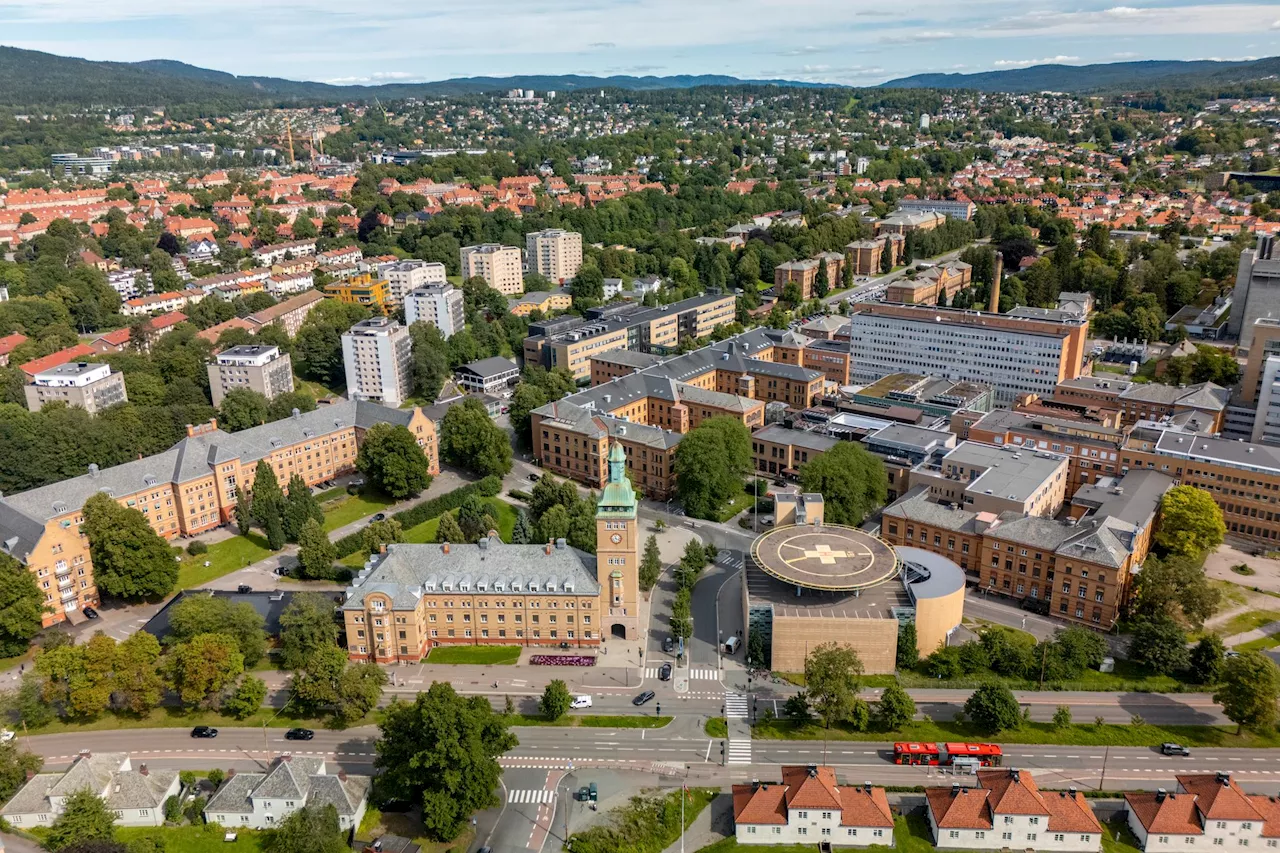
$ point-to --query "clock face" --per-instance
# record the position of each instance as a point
(616, 538)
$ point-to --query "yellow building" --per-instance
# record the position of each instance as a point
(374, 294)
(540, 300)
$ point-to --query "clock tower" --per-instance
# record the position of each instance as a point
(618, 551)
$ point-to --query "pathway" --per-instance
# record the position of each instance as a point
(1268, 630)
(711, 825)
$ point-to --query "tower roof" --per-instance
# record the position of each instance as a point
(618, 498)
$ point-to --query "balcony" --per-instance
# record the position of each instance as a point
(64, 583)
(68, 594)
(62, 571)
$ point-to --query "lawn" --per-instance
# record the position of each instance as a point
(1127, 678)
(1259, 645)
(223, 557)
(503, 513)
(348, 508)
(717, 727)
(593, 721)
(737, 504)
(647, 824)
(1118, 838)
(204, 838)
(910, 835)
(409, 825)
(1250, 620)
(170, 717)
(1030, 733)
(484, 655)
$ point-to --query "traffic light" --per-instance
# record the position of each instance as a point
(722, 752)
(658, 708)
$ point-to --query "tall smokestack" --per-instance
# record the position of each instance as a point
(996, 274)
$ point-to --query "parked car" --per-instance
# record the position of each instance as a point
(582, 794)
(299, 734)
(382, 516)
(204, 731)
(646, 696)
(664, 672)
(533, 478)
(669, 645)
(6, 735)
(244, 587)
(90, 613)
(580, 702)
(1174, 749)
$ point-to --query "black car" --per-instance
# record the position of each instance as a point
(204, 731)
(382, 516)
(299, 734)
(1174, 749)
(643, 697)
(668, 645)
(664, 672)
(533, 478)
(244, 587)
(90, 613)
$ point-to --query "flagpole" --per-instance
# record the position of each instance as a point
(683, 791)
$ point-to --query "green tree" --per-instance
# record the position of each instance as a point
(316, 554)
(522, 532)
(993, 708)
(85, 817)
(650, 564)
(1175, 587)
(389, 531)
(555, 700)
(470, 439)
(908, 654)
(138, 685)
(1062, 717)
(314, 686)
(242, 408)
(1078, 649)
(306, 625)
(474, 518)
(15, 764)
(267, 505)
(441, 751)
(1159, 644)
(299, 505)
(822, 281)
(1189, 522)
(1248, 691)
(1207, 657)
(831, 676)
(359, 690)
(710, 464)
(314, 828)
(681, 616)
(21, 607)
(448, 529)
(392, 460)
(201, 668)
(852, 482)
(247, 698)
(895, 708)
(130, 561)
(201, 614)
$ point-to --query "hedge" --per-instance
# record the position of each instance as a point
(425, 511)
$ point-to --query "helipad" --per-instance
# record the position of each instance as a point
(828, 557)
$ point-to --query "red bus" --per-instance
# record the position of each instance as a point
(980, 754)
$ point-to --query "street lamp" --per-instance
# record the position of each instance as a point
(568, 791)
(266, 748)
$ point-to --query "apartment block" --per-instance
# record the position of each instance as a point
(1006, 810)
(554, 254)
(289, 314)
(92, 387)
(188, 489)
(1257, 291)
(803, 273)
(259, 368)
(1012, 355)
(498, 265)
(438, 304)
(378, 356)
(364, 290)
(170, 301)
(404, 277)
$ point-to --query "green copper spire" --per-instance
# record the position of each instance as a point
(618, 496)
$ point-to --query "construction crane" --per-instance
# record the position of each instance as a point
(288, 130)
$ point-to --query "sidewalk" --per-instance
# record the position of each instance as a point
(711, 825)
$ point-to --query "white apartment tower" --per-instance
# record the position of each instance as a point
(554, 253)
(378, 356)
(405, 276)
(441, 305)
(497, 264)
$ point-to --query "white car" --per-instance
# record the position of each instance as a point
(5, 735)
(580, 702)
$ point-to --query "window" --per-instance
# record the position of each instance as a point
(826, 815)
(1007, 820)
(1035, 821)
(1031, 836)
(804, 830)
(802, 815)
(953, 834)
(1006, 836)
(751, 830)
(879, 833)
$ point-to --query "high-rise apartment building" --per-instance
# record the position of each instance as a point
(554, 253)
(259, 368)
(497, 264)
(377, 354)
(1257, 290)
(92, 387)
(441, 305)
(1011, 354)
(403, 277)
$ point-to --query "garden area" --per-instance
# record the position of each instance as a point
(479, 655)
(650, 823)
(408, 824)
(910, 835)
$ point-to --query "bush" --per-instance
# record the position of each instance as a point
(216, 777)
(195, 809)
(520, 495)
(425, 511)
(197, 548)
(173, 809)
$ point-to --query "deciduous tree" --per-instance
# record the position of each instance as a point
(555, 700)
(306, 625)
(392, 460)
(247, 698)
(201, 668)
(138, 685)
(314, 828)
(852, 482)
(650, 564)
(130, 561)
(1160, 644)
(1175, 587)
(1207, 657)
(15, 764)
(993, 708)
(895, 708)
(242, 408)
(379, 533)
(470, 439)
(85, 817)
(1248, 691)
(711, 462)
(831, 674)
(1189, 522)
(21, 607)
(211, 614)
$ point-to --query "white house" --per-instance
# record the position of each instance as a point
(202, 248)
(1007, 810)
(136, 796)
(263, 800)
(810, 807)
(1206, 811)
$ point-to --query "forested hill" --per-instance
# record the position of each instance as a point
(29, 77)
(1108, 77)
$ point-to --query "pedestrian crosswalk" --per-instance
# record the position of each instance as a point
(730, 559)
(522, 795)
(736, 706)
(711, 674)
(739, 752)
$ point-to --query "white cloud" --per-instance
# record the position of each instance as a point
(912, 37)
(1125, 55)
(1200, 20)
(1122, 11)
(1027, 63)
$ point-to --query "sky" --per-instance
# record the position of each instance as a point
(854, 42)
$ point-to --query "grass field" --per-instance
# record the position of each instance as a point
(409, 825)
(1087, 734)
(593, 721)
(910, 835)
(717, 727)
(1260, 644)
(204, 838)
(1118, 838)
(345, 508)
(1250, 620)
(1127, 678)
(503, 513)
(483, 655)
(645, 825)
(737, 504)
(223, 557)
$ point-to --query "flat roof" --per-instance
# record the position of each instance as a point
(826, 557)
(1011, 471)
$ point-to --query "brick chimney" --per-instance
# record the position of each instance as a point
(342, 775)
(382, 549)
(444, 546)
(142, 768)
(549, 547)
(31, 774)
(994, 305)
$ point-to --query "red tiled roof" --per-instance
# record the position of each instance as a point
(117, 338)
(1012, 792)
(1176, 814)
(1269, 808)
(761, 804)
(9, 342)
(164, 321)
(1070, 812)
(1219, 797)
(31, 368)
(859, 808)
(806, 791)
(965, 808)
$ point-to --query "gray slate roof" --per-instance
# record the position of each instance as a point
(298, 778)
(136, 790)
(406, 571)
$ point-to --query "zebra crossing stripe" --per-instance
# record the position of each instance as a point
(538, 795)
(738, 752)
(736, 706)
